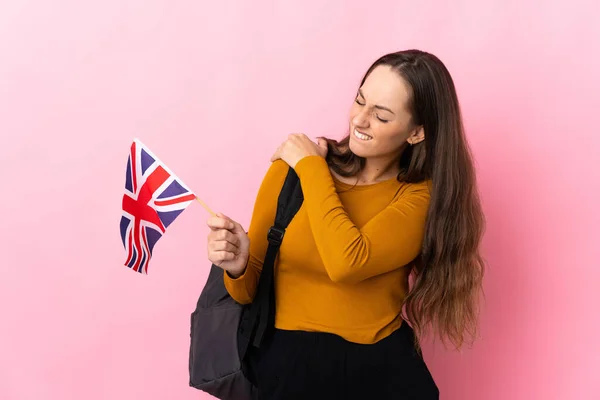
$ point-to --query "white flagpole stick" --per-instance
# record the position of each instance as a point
(207, 208)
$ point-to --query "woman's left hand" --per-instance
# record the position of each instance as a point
(297, 146)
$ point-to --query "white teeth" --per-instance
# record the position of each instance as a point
(361, 136)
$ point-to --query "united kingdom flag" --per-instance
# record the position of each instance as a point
(153, 198)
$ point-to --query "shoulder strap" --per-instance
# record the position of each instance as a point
(262, 309)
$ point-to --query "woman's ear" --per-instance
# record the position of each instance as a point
(417, 136)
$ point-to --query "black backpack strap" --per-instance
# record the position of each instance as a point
(262, 310)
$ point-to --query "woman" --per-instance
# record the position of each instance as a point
(396, 198)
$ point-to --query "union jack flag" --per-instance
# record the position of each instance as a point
(153, 198)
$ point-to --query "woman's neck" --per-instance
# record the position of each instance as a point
(375, 171)
(378, 170)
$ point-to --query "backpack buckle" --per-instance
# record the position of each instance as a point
(275, 235)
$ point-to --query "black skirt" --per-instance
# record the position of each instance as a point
(313, 366)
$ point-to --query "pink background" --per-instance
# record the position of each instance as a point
(212, 88)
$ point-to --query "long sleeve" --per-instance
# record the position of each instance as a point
(390, 240)
(243, 288)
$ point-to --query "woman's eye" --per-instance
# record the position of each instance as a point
(358, 102)
(385, 121)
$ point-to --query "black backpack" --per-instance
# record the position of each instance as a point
(225, 335)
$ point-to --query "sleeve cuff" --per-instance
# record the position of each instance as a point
(232, 279)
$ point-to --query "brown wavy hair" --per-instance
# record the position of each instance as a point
(447, 275)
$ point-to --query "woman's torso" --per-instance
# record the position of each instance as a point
(306, 297)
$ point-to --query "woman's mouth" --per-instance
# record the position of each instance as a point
(361, 136)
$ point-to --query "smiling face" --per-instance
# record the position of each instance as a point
(381, 124)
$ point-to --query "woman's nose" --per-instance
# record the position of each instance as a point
(361, 119)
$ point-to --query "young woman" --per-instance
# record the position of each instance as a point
(396, 198)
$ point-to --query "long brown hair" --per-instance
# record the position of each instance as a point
(447, 275)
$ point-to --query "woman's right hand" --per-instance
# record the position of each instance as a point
(228, 245)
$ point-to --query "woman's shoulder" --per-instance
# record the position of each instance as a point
(419, 187)
(413, 190)
(278, 167)
(276, 173)
(422, 186)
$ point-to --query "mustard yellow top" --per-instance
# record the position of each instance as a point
(344, 263)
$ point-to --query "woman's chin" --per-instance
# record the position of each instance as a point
(356, 148)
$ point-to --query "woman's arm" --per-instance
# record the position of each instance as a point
(243, 288)
(390, 240)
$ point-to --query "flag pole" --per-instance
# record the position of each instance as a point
(206, 207)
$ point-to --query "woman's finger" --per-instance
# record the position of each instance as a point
(237, 227)
(217, 257)
(219, 223)
(223, 235)
(277, 154)
(224, 246)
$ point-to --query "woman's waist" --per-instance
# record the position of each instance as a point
(360, 320)
(346, 330)
(371, 300)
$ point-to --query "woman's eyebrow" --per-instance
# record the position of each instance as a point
(376, 106)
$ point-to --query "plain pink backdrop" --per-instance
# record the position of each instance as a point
(213, 88)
